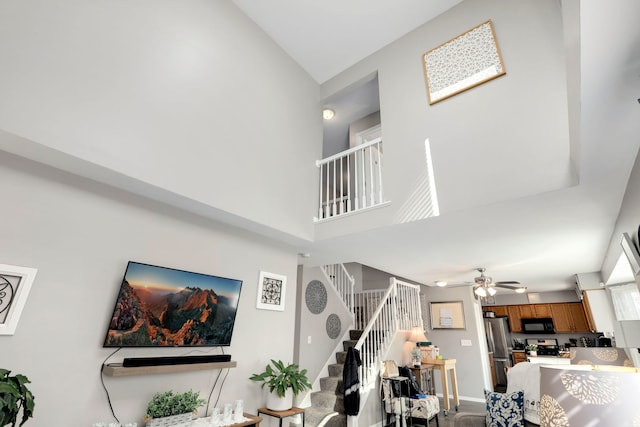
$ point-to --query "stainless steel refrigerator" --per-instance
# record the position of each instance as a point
(499, 342)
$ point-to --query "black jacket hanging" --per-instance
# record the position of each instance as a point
(351, 382)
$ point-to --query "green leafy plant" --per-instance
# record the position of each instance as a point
(14, 396)
(167, 403)
(532, 347)
(279, 378)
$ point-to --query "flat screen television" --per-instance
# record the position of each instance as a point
(165, 307)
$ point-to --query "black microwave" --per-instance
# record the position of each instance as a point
(538, 326)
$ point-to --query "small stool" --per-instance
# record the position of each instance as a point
(282, 414)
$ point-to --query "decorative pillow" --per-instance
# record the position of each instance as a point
(505, 409)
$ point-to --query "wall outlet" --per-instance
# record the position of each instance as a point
(309, 339)
(465, 343)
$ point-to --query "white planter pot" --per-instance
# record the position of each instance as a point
(277, 403)
(533, 353)
(173, 420)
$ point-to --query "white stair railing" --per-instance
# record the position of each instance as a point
(399, 309)
(351, 180)
(342, 282)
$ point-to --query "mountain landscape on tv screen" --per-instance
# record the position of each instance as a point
(188, 317)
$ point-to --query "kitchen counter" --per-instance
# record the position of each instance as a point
(549, 360)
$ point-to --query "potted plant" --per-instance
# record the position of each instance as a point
(14, 397)
(167, 408)
(284, 382)
(532, 349)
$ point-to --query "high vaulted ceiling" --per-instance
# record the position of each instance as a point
(542, 240)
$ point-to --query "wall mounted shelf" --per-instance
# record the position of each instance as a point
(117, 370)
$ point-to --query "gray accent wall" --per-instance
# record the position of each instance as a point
(79, 235)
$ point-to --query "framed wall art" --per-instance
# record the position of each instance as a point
(466, 61)
(271, 291)
(15, 284)
(447, 315)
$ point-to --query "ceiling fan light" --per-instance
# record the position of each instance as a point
(480, 291)
(521, 290)
(491, 291)
(441, 283)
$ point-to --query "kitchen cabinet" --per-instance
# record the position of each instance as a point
(499, 310)
(534, 311)
(513, 311)
(519, 356)
(542, 310)
(569, 317)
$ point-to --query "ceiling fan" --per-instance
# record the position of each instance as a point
(484, 286)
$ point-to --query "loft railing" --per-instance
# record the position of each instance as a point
(351, 180)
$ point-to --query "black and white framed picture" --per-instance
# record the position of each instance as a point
(15, 284)
(271, 291)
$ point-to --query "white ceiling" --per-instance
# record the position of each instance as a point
(326, 37)
(541, 241)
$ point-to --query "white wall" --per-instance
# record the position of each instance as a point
(80, 235)
(519, 119)
(190, 97)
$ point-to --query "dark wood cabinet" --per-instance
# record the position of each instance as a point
(519, 356)
(567, 316)
(513, 311)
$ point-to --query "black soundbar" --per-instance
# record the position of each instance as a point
(131, 362)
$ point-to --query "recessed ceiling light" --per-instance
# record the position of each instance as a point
(441, 283)
(521, 290)
(328, 114)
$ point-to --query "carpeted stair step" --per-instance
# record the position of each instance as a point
(355, 335)
(335, 370)
(328, 400)
(333, 384)
(348, 343)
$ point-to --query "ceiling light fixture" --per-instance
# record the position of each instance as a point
(441, 283)
(328, 114)
(521, 290)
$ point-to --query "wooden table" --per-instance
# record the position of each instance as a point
(282, 414)
(252, 421)
(444, 365)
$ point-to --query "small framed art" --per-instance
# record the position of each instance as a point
(271, 291)
(15, 284)
(447, 315)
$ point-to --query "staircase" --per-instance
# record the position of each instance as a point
(327, 405)
(377, 316)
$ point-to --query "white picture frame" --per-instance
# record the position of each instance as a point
(271, 291)
(15, 285)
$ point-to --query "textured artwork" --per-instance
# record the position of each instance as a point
(315, 297)
(271, 291)
(15, 284)
(466, 61)
(334, 326)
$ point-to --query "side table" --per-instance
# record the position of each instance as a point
(282, 414)
(444, 366)
(252, 420)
